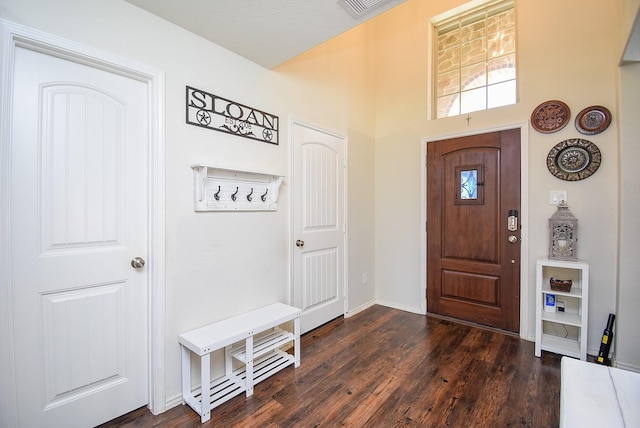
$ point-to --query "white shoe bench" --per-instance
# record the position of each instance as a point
(253, 339)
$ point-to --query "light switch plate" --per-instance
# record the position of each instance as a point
(557, 196)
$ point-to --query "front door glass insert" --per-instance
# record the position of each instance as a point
(469, 184)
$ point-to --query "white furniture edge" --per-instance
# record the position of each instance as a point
(593, 395)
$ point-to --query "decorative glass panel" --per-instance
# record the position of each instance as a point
(469, 181)
(469, 184)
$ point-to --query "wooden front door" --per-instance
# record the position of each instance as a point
(473, 259)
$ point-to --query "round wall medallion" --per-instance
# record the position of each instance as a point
(574, 159)
(593, 120)
(550, 116)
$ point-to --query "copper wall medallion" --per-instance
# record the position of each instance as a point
(550, 116)
(574, 159)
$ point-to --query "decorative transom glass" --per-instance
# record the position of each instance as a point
(476, 60)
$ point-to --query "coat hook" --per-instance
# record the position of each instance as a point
(217, 194)
(233, 197)
(264, 197)
(249, 197)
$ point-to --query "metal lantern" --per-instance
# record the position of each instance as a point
(563, 238)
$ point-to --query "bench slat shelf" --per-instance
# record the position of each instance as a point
(254, 339)
(263, 343)
(226, 387)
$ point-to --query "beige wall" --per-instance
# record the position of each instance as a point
(627, 344)
(573, 60)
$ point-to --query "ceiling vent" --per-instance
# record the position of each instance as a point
(359, 8)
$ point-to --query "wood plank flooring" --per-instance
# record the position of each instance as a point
(388, 368)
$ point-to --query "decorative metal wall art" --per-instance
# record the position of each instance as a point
(574, 159)
(220, 114)
(593, 120)
(563, 234)
(550, 116)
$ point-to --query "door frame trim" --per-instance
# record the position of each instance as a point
(345, 280)
(13, 35)
(524, 207)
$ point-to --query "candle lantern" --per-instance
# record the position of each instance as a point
(563, 228)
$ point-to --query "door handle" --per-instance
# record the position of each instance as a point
(513, 239)
(300, 243)
(137, 262)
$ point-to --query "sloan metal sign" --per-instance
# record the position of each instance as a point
(220, 114)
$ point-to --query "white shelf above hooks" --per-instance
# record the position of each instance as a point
(221, 189)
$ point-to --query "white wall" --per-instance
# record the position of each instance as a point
(220, 264)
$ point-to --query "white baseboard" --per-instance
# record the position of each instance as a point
(174, 401)
(360, 308)
(393, 305)
(630, 367)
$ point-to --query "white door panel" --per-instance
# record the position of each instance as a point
(319, 222)
(78, 216)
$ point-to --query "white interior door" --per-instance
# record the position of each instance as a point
(79, 194)
(319, 227)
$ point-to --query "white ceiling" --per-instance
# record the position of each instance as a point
(270, 32)
(267, 32)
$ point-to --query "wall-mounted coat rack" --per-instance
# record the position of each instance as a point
(220, 189)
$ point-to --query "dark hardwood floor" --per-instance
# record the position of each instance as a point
(388, 368)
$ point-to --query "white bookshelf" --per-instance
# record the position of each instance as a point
(562, 332)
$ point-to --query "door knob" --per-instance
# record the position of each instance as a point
(137, 262)
(513, 239)
(300, 243)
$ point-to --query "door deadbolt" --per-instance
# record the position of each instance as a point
(512, 221)
(300, 243)
(513, 239)
(137, 262)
